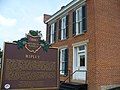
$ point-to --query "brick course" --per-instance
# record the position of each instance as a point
(107, 21)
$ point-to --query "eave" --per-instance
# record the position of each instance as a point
(67, 7)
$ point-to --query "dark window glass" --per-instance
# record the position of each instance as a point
(82, 60)
(82, 47)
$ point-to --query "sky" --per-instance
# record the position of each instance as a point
(17, 17)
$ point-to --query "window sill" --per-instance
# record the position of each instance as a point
(79, 34)
(62, 75)
(62, 40)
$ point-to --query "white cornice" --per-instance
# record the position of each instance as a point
(64, 9)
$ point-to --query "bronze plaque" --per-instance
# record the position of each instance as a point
(23, 69)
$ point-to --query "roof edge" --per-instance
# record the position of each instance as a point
(64, 9)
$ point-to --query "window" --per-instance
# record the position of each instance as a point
(63, 61)
(63, 28)
(79, 20)
(52, 33)
(81, 55)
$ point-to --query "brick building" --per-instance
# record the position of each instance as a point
(88, 37)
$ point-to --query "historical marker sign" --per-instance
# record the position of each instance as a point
(29, 68)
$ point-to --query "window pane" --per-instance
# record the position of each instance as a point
(63, 28)
(52, 33)
(84, 25)
(84, 11)
(80, 14)
(78, 27)
(82, 47)
(63, 67)
(64, 33)
(77, 16)
(82, 60)
(52, 38)
(60, 66)
(63, 55)
(63, 22)
(0, 60)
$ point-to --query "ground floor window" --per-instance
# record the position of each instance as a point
(80, 61)
(63, 61)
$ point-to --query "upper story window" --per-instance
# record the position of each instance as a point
(63, 28)
(79, 20)
(52, 33)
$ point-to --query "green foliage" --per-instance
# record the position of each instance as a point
(44, 45)
(34, 33)
(21, 43)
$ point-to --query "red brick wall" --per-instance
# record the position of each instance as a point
(89, 35)
(92, 45)
(103, 50)
(107, 26)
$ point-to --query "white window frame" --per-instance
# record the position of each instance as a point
(76, 54)
(62, 62)
(63, 28)
(79, 21)
(81, 53)
(52, 33)
(75, 45)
